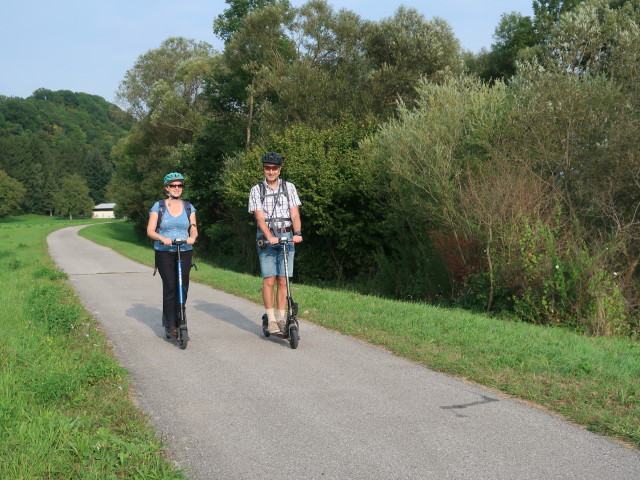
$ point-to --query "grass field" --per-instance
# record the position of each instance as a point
(65, 403)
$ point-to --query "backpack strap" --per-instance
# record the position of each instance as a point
(162, 206)
(285, 189)
(188, 208)
(282, 190)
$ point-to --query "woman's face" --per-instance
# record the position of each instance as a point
(174, 188)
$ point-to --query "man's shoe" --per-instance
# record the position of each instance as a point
(281, 325)
(273, 327)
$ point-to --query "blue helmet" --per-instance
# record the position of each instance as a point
(173, 176)
(272, 157)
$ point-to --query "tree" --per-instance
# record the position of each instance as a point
(166, 82)
(97, 171)
(599, 38)
(547, 13)
(255, 53)
(513, 34)
(164, 91)
(519, 38)
(406, 48)
(324, 81)
(12, 194)
(230, 21)
(314, 66)
(596, 45)
(72, 197)
(428, 153)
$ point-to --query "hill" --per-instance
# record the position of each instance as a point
(53, 134)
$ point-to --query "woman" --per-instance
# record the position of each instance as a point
(170, 219)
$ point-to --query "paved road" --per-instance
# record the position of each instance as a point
(237, 405)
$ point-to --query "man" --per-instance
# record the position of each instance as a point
(274, 203)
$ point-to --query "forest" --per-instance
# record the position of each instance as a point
(505, 181)
(55, 151)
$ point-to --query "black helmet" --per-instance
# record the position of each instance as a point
(272, 157)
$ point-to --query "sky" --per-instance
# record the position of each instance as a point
(88, 45)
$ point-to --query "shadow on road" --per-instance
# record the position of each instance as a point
(151, 317)
(228, 315)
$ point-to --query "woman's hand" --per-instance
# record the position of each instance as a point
(191, 241)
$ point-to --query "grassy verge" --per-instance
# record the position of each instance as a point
(65, 405)
(594, 382)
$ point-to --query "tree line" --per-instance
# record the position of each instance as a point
(506, 181)
(55, 151)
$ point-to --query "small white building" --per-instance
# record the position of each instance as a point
(104, 210)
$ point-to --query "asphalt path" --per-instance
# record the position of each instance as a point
(238, 405)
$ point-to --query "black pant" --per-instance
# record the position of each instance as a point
(167, 266)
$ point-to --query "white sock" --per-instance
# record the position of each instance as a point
(281, 315)
(271, 315)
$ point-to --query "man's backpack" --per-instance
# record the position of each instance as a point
(282, 190)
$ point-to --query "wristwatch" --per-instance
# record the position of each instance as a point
(299, 233)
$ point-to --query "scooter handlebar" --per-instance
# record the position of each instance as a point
(178, 241)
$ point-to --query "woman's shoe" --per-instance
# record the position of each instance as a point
(170, 333)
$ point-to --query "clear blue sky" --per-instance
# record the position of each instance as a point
(88, 45)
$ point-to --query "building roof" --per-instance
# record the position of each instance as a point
(104, 206)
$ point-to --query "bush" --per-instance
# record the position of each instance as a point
(329, 173)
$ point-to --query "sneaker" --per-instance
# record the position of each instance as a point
(273, 327)
(281, 325)
(170, 333)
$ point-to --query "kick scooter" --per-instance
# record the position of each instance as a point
(290, 331)
(182, 334)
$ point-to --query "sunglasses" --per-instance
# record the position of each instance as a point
(176, 185)
(271, 168)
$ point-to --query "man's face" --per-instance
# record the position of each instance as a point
(271, 171)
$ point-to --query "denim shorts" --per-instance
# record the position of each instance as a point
(272, 259)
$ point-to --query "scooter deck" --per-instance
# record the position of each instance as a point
(279, 334)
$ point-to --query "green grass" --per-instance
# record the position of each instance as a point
(594, 382)
(65, 402)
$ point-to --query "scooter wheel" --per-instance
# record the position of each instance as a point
(265, 325)
(293, 336)
(183, 338)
